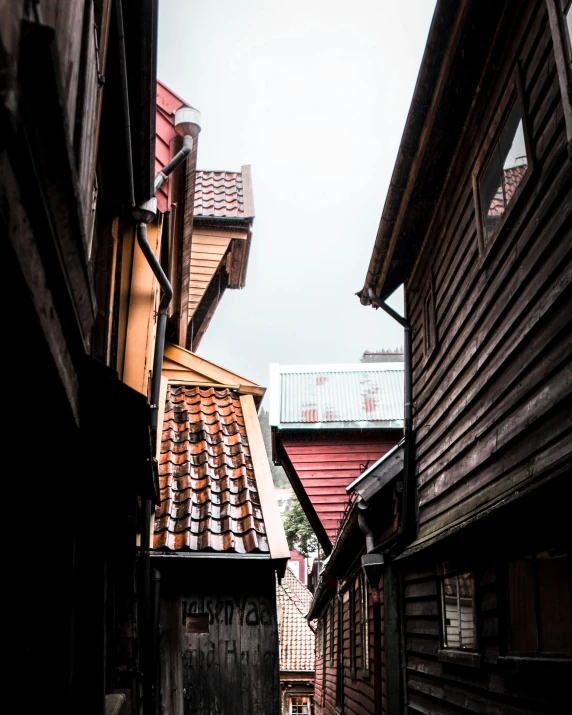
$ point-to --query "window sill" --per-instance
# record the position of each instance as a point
(460, 657)
(533, 659)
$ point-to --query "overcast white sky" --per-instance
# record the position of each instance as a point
(313, 95)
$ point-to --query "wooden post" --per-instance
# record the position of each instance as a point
(392, 641)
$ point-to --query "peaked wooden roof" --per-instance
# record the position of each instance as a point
(185, 367)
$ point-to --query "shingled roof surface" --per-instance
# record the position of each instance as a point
(209, 498)
(297, 638)
(219, 194)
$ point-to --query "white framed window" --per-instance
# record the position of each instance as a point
(299, 705)
(458, 613)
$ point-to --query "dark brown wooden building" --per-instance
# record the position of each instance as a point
(218, 546)
(477, 225)
(69, 176)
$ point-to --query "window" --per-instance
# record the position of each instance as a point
(364, 625)
(299, 706)
(340, 658)
(332, 631)
(352, 634)
(504, 170)
(458, 612)
(323, 630)
(540, 607)
(560, 18)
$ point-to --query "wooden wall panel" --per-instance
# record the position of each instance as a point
(358, 688)
(489, 402)
(326, 462)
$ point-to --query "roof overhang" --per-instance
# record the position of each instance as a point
(457, 46)
(373, 479)
(360, 425)
(183, 367)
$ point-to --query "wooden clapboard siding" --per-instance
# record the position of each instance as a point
(437, 687)
(207, 253)
(490, 400)
(359, 689)
(327, 461)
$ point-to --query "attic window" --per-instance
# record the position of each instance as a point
(506, 165)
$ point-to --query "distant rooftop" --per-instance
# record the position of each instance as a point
(383, 356)
(224, 194)
(345, 395)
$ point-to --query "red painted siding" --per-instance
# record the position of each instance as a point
(359, 685)
(167, 105)
(327, 461)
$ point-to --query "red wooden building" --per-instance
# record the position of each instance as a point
(329, 424)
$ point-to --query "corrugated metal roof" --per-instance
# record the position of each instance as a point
(332, 395)
(208, 490)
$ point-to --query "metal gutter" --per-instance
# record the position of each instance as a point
(209, 555)
(349, 525)
(374, 466)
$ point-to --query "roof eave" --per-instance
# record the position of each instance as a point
(380, 268)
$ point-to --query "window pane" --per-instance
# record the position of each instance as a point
(459, 612)
(522, 610)
(554, 603)
(503, 172)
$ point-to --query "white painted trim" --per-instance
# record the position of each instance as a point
(343, 367)
(268, 502)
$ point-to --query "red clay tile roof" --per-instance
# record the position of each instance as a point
(511, 178)
(209, 498)
(297, 638)
(219, 194)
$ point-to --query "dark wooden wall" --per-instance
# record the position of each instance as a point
(327, 461)
(491, 409)
(490, 401)
(358, 685)
(231, 667)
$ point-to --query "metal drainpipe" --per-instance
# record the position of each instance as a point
(143, 214)
(186, 119)
(408, 461)
(125, 98)
(363, 506)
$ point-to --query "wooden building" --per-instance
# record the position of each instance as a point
(333, 425)
(218, 545)
(72, 71)
(477, 226)
(297, 646)
(329, 423)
